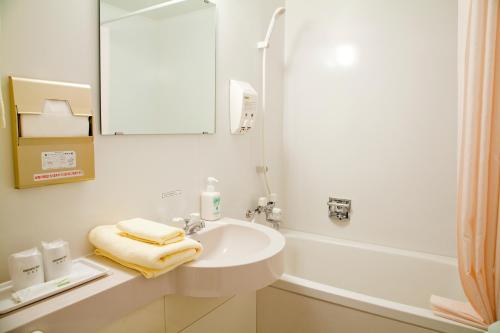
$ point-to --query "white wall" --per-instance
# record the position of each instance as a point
(58, 40)
(371, 116)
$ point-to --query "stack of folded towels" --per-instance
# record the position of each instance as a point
(149, 247)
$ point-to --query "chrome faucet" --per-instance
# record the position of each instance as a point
(268, 207)
(192, 224)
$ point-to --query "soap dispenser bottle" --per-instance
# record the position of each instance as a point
(210, 201)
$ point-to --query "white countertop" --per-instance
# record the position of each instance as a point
(92, 305)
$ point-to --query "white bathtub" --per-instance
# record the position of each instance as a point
(334, 285)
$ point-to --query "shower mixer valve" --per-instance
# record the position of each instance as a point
(339, 209)
(268, 207)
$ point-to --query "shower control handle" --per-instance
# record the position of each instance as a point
(339, 209)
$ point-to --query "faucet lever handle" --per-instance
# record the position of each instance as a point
(194, 217)
(262, 202)
(178, 221)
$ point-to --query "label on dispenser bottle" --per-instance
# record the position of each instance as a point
(216, 206)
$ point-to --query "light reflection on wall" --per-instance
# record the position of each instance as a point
(344, 55)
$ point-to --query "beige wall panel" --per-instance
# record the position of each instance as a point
(236, 316)
(280, 311)
(149, 319)
(182, 311)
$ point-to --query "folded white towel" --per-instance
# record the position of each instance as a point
(150, 232)
(149, 259)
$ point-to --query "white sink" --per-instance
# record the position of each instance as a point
(238, 257)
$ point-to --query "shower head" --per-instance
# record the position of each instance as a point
(279, 11)
(265, 43)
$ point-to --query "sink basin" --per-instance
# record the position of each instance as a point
(238, 257)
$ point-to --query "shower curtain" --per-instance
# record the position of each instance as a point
(478, 223)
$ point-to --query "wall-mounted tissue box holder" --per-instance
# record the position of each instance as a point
(52, 132)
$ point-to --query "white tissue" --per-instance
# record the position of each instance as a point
(56, 259)
(56, 120)
(26, 268)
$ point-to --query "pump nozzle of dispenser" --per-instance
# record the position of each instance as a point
(211, 181)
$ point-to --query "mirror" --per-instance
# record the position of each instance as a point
(157, 67)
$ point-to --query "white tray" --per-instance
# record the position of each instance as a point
(90, 270)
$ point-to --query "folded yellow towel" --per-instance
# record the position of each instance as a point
(150, 259)
(150, 232)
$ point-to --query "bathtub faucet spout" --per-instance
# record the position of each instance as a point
(268, 207)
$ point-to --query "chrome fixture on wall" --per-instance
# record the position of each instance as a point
(267, 206)
(339, 209)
